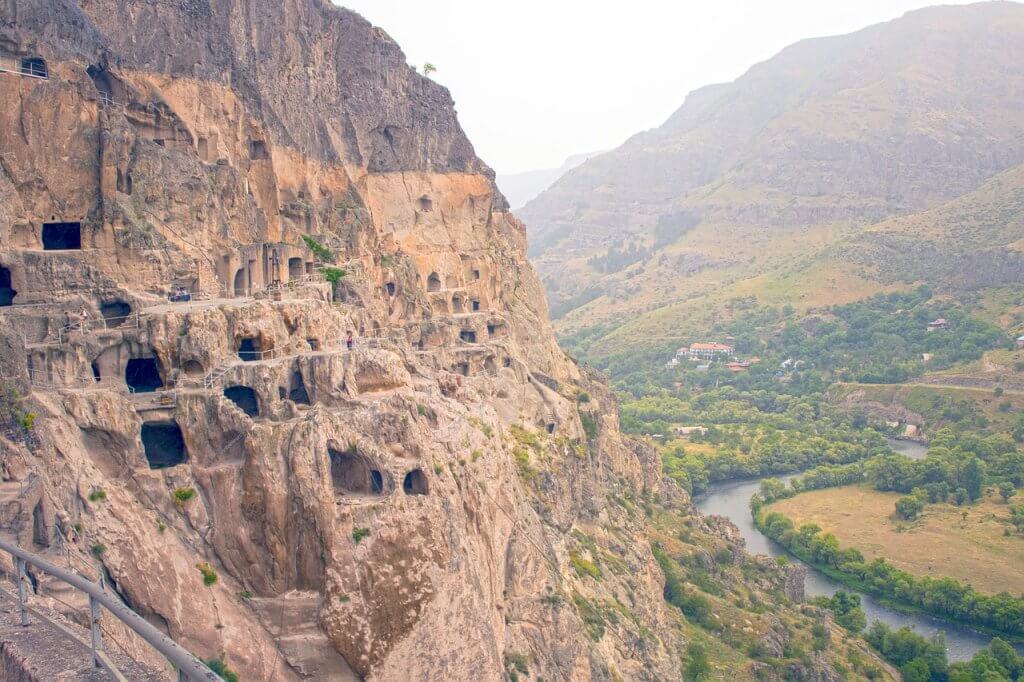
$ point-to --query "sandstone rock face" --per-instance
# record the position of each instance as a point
(395, 510)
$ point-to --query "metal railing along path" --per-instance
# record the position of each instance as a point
(188, 666)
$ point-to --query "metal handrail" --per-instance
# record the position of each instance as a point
(189, 667)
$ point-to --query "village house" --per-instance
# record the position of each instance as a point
(706, 351)
(738, 366)
(1020, 342)
(940, 323)
(686, 431)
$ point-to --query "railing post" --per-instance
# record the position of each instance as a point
(94, 628)
(22, 592)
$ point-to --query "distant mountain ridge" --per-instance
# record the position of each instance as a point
(752, 183)
(519, 188)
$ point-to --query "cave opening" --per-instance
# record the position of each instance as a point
(192, 368)
(249, 349)
(491, 329)
(239, 283)
(95, 370)
(457, 306)
(34, 66)
(163, 444)
(115, 312)
(295, 268)
(426, 204)
(40, 533)
(434, 282)
(390, 286)
(297, 392)
(244, 398)
(353, 474)
(476, 305)
(143, 375)
(463, 368)
(7, 292)
(467, 335)
(551, 427)
(258, 150)
(415, 483)
(62, 236)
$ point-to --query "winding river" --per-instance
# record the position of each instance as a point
(732, 500)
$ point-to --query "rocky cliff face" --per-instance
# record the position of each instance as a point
(446, 496)
(400, 509)
(829, 136)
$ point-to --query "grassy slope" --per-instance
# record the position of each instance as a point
(938, 544)
(815, 267)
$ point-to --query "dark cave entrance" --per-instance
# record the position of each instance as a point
(245, 398)
(390, 286)
(434, 282)
(143, 375)
(95, 370)
(297, 391)
(163, 444)
(40, 533)
(249, 349)
(476, 305)
(7, 292)
(352, 474)
(239, 283)
(415, 483)
(34, 66)
(258, 150)
(115, 313)
(294, 269)
(62, 236)
(468, 336)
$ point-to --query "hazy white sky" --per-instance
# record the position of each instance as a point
(537, 80)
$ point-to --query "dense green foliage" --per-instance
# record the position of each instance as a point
(879, 340)
(693, 604)
(847, 610)
(943, 597)
(958, 468)
(322, 253)
(924, 660)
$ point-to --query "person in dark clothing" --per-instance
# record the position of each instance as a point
(349, 342)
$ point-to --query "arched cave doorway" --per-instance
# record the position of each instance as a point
(62, 236)
(250, 349)
(240, 288)
(467, 335)
(34, 66)
(434, 282)
(7, 292)
(115, 312)
(143, 375)
(245, 398)
(353, 474)
(163, 444)
(294, 269)
(415, 483)
(457, 305)
(297, 389)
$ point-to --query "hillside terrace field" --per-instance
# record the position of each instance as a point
(939, 543)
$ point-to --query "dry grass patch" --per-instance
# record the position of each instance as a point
(940, 543)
